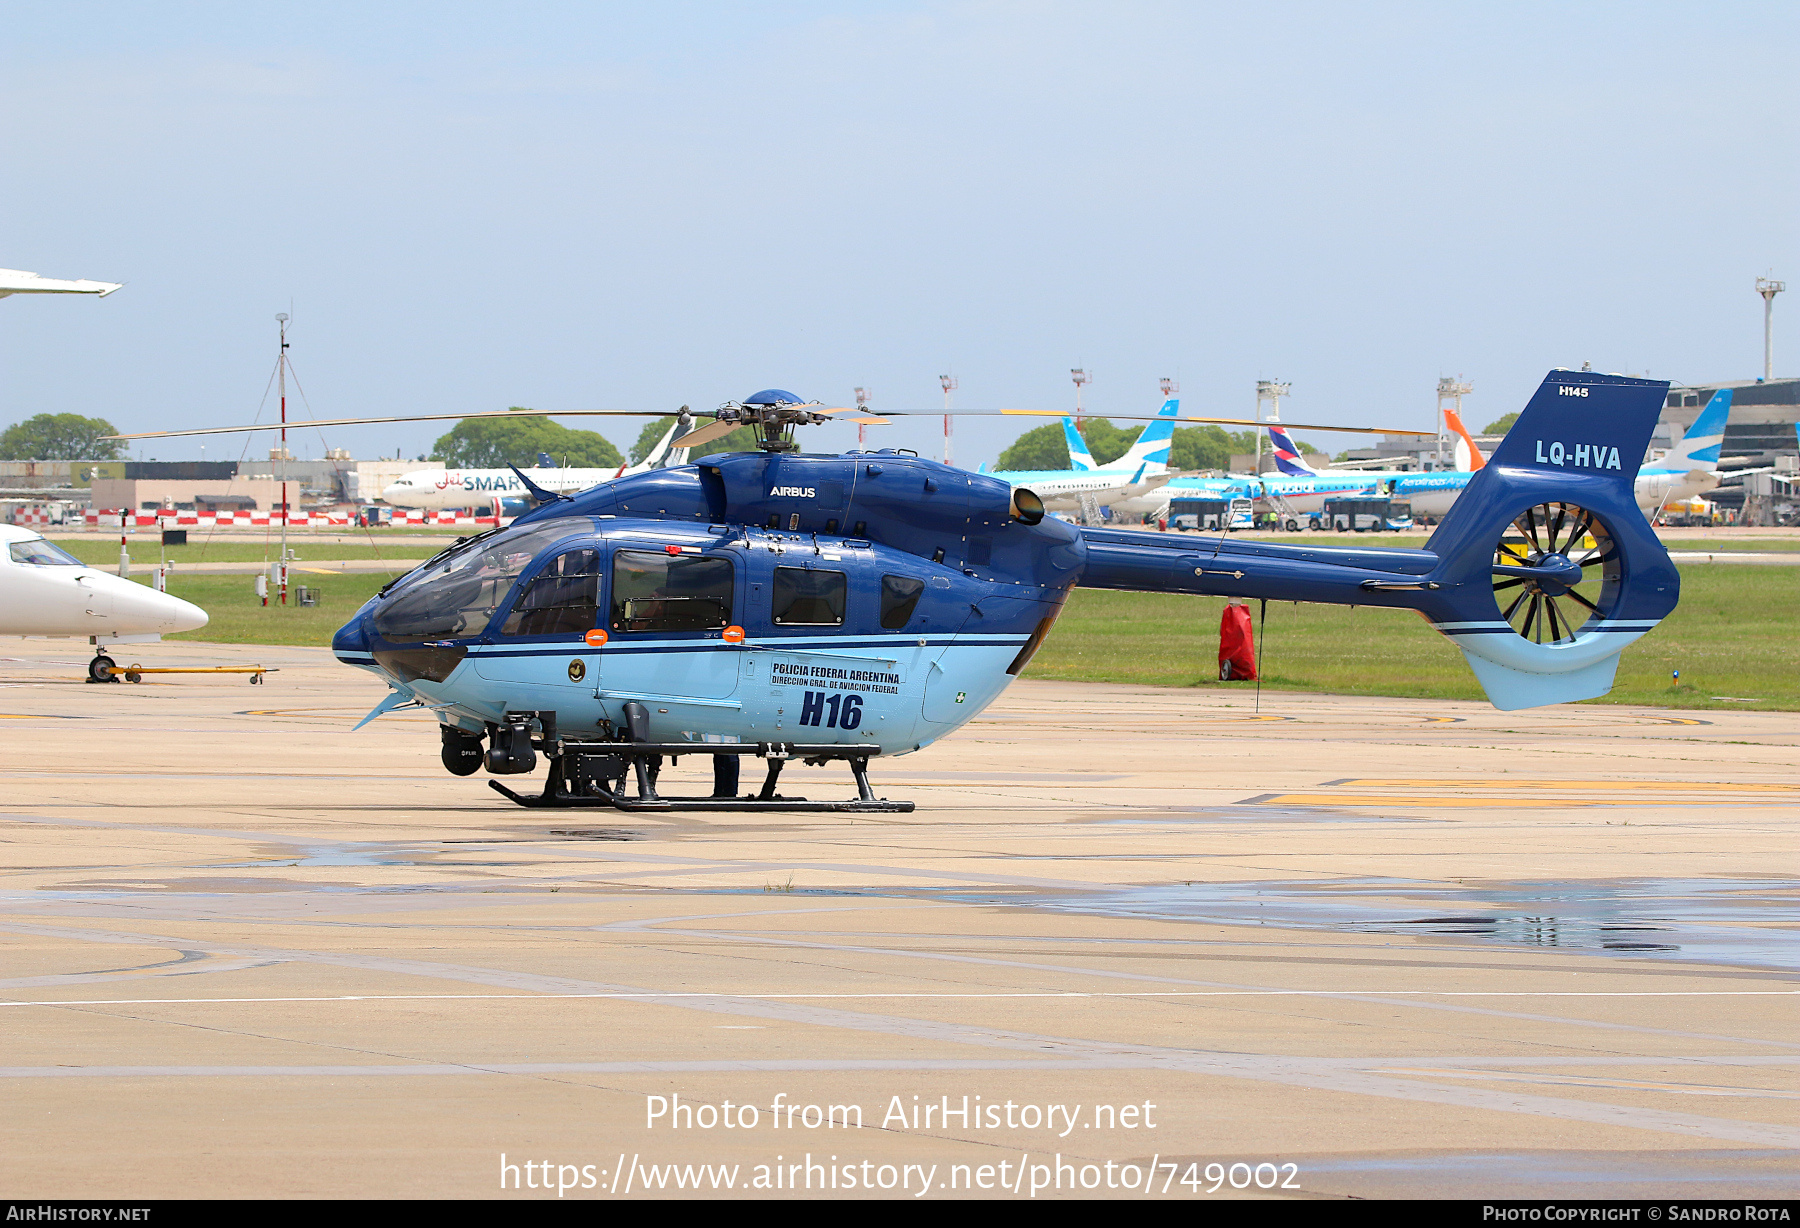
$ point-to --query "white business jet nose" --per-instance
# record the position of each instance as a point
(138, 609)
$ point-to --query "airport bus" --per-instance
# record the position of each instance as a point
(1209, 514)
(1364, 514)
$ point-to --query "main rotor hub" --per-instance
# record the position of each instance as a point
(773, 414)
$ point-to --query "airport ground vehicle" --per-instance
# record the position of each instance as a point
(1363, 514)
(1209, 514)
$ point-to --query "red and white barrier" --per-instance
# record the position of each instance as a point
(109, 519)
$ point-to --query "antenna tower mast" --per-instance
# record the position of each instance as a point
(281, 456)
(862, 403)
(949, 384)
(1452, 390)
(1271, 391)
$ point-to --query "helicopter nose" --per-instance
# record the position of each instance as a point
(351, 638)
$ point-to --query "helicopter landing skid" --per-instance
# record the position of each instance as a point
(595, 775)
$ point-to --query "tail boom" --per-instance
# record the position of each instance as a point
(1542, 573)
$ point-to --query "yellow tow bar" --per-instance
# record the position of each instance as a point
(135, 672)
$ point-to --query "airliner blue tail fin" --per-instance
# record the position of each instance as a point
(544, 461)
(1699, 447)
(1078, 449)
(1153, 442)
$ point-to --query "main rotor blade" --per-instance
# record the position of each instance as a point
(316, 422)
(706, 434)
(1063, 413)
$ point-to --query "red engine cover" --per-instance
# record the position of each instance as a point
(1237, 644)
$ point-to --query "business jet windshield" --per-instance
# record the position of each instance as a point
(40, 553)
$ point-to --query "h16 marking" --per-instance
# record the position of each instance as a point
(835, 711)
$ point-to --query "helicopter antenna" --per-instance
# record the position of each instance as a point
(535, 491)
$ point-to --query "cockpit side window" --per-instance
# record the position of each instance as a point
(804, 597)
(670, 592)
(457, 595)
(41, 553)
(562, 599)
(899, 598)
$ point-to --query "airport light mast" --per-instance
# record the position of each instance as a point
(862, 429)
(1271, 391)
(1769, 288)
(1452, 390)
(949, 385)
(1081, 375)
(1169, 387)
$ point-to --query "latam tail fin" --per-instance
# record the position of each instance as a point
(1079, 458)
(1153, 442)
(1699, 448)
(1287, 455)
(1468, 456)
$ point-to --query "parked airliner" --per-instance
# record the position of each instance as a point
(436, 490)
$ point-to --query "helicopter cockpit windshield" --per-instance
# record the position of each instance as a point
(456, 596)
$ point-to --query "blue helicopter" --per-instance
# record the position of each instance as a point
(787, 606)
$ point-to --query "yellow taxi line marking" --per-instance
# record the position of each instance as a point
(1449, 801)
(1677, 786)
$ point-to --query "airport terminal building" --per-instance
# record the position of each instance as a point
(1763, 418)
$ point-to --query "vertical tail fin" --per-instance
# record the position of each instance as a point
(1546, 568)
(544, 461)
(1699, 448)
(1468, 456)
(1078, 449)
(1153, 442)
(1287, 455)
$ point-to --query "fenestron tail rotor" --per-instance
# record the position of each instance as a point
(1554, 569)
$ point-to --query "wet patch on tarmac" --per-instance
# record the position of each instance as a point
(1258, 814)
(1528, 1174)
(192, 886)
(1725, 921)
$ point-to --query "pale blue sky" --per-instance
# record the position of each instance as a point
(583, 205)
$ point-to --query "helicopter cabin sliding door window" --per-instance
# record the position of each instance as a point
(670, 592)
(899, 598)
(562, 599)
(808, 598)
